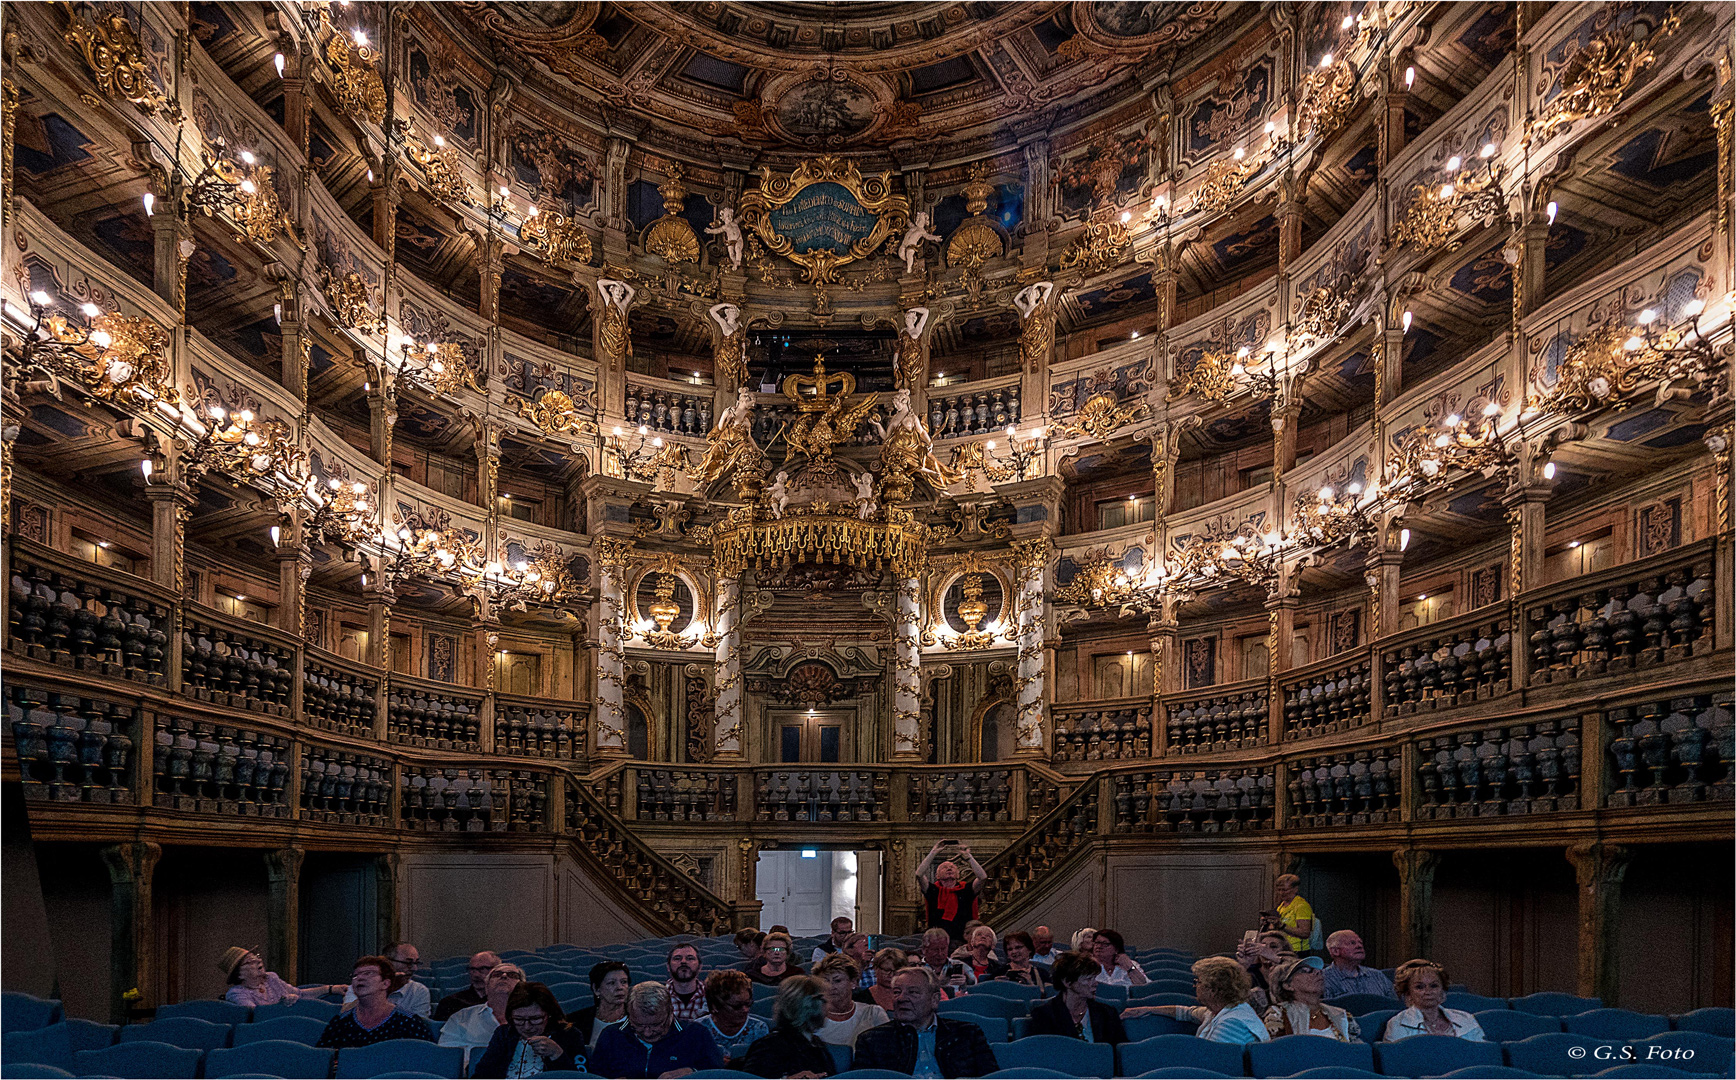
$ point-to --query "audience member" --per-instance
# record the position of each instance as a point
(980, 954)
(474, 994)
(535, 1038)
(686, 991)
(251, 985)
(774, 963)
(609, 983)
(1021, 965)
(748, 942)
(1074, 1011)
(651, 1043)
(1346, 975)
(475, 1024)
(1223, 1013)
(375, 1016)
(860, 948)
(887, 961)
(792, 1049)
(1118, 968)
(1260, 958)
(731, 1020)
(952, 974)
(1295, 915)
(1084, 939)
(779, 928)
(919, 1041)
(406, 992)
(842, 928)
(948, 902)
(845, 1016)
(1299, 986)
(1043, 949)
(1422, 985)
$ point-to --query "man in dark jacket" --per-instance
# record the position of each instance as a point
(918, 1041)
(651, 1043)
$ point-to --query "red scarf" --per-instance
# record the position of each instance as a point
(947, 900)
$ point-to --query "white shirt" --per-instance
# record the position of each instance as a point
(820, 954)
(470, 1026)
(1046, 959)
(412, 997)
(844, 1032)
(1115, 976)
(1409, 1021)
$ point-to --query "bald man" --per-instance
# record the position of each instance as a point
(1043, 944)
(949, 902)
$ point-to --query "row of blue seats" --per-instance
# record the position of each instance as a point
(1555, 1055)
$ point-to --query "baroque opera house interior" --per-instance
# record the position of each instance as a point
(941, 537)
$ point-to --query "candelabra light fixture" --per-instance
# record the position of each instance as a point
(112, 357)
(1608, 364)
(341, 513)
(1220, 373)
(440, 167)
(1435, 209)
(242, 191)
(555, 235)
(1427, 454)
(1016, 461)
(438, 366)
(647, 459)
(241, 446)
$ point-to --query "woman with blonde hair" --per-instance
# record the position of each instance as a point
(846, 1017)
(1422, 986)
(1223, 1012)
(886, 964)
(793, 1048)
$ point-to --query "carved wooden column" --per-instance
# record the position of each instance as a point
(745, 908)
(173, 246)
(283, 912)
(133, 945)
(1281, 608)
(1525, 545)
(1162, 631)
(382, 417)
(1416, 898)
(1600, 869)
(292, 371)
(490, 262)
(380, 597)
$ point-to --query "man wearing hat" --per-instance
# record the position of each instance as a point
(1298, 985)
(251, 985)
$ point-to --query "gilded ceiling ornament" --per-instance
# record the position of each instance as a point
(555, 236)
(1599, 75)
(975, 241)
(440, 366)
(554, 412)
(352, 301)
(1102, 414)
(1102, 245)
(1321, 313)
(824, 215)
(671, 236)
(1328, 98)
(440, 166)
(1433, 215)
(1215, 376)
(907, 452)
(1224, 181)
(112, 52)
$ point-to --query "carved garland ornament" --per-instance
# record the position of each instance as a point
(1102, 245)
(352, 301)
(557, 237)
(117, 63)
(820, 264)
(1599, 76)
(555, 413)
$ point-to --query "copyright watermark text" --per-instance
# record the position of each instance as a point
(1631, 1053)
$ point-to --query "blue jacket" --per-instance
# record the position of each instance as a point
(619, 1053)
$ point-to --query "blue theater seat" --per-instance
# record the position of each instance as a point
(859, 1074)
(141, 1060)
(1179, 1051)
(1026, 1074)
(26, 1012)
(1720, 1022)
(994, 1028)
(1492, 1072)
(1654, 1072)
(1549, 1054)
(277, 1056)
(986, 1005)
(1149, 1027)
(318, 1008)
(841, 1057)
(1549, 1003)
(1691, 1051)
(1293, 1053)
(1432, 1055)
(36, 1072)
(184, 1031)
(1371, 1026)
(1506, 1025)
(217, 1012)
(299, 1029)
(1179, 1071)
(721, 1074)
(51, 1045)
(399, 1055)
(1616, 1024)
(1472, 1003)
(1357, 1004)
(1329, 1073)
(1073, 1057)
(1011, 990)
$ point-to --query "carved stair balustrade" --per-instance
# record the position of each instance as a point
(668, 895)
(1102, 731)
(1195, 801)
(964, 795)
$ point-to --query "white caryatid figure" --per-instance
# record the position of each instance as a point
(913, 238)
(613, 341)
(730, 230)
(908, 366)
(1033, 297)
(1037, 334)
(729, 357)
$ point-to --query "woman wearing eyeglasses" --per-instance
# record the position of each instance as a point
(535, 1039)
(774, 964)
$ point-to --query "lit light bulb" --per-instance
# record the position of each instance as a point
(1446, 191)
(40, 298)
(1454, 162)
(1492, 409)
(531, 211)
(1406, 322)
(1237, 153)
(990, 444)
(145, 467)
(440, 140)
(1403, 539)
(1633, 344)
(91, 311)
(370, 175)
(276, 534)
(1135, 336)
(1326, 61)
(643, 430)
(617, 430)
(1326, 493)
(150, 204)
(1694, 308)
(1452, 420)
(1271, 126)
(1242, 353)
(504, 192)
(1549, 470)
(361, 39)
(1349, 20)
(1410, 77)
(1126, 216)
(101, 339)
(1354, 489)
(247, 157)
(247, 187)
(277, 61)
(1488, 150)
(1648, 316)
(1552, 209)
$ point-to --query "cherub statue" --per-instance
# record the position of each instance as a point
(865, 504)
(729, 357)
(907, 452)
(731, 232)
(778, 494)
(729, 448)
(913, 238)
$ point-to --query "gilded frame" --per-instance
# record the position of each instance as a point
(873, 193)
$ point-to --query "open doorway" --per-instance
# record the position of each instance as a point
(806, 888)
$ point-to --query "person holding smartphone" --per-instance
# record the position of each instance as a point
(949, 902)
(954, 975)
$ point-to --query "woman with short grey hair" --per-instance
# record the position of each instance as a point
(793, 1048)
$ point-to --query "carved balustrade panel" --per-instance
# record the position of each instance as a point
(685, 795)
(61, 615)
(966, 795)
(1041, 794)
(669, 411)
(539, 730)
(820, 795)
(336, 698)
(1650, 615)
(974, 411)
(416, 716)
(343, 788)
(1336, 699)
(1362, 787)
(1459, 664)
(1194, 801)
(451, 800)
(233, 669)
(73, 748)
(1227, 719)
(1675, 750)
(1102, 732)
(667, 892)
(1039, 849)
(204, 767)
(1517, 769)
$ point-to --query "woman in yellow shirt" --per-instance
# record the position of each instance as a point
(1296, 914)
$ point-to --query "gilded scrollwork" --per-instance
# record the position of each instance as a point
(870, 193)
(116, 60)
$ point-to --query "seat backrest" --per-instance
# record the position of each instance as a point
(1508, 1025)
(1014, 991)
(187, 1031)
(1075, 1057)
(356, 1062)
(1471, 1003)
(1027, 1073)
(140, 1060)
(841, 1056)
(279, 1056)
(994, 1027)
(1293, 1053)
(26, 1012)
(1148, 1027)
(1616, 1024)
(1178, 1051)
(1432, 1055)
(1180, 1072)
(985, 1005)
(51, 1045)
(1492, 1072)
(36, 1072)
(1113, 995)
(1558, 1053)
(1647, 1072)
(299, 1029)
(1327, 1072)
(1690, 1051)
(314, 1007)
(1357, 1004)
(1161, 986)
(854, 1074)
(1549, 1003)
(217, 1012)
(1371, 1026)
(1712, 1021)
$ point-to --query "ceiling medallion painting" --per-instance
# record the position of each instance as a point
(824, 215)
(824, 110)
